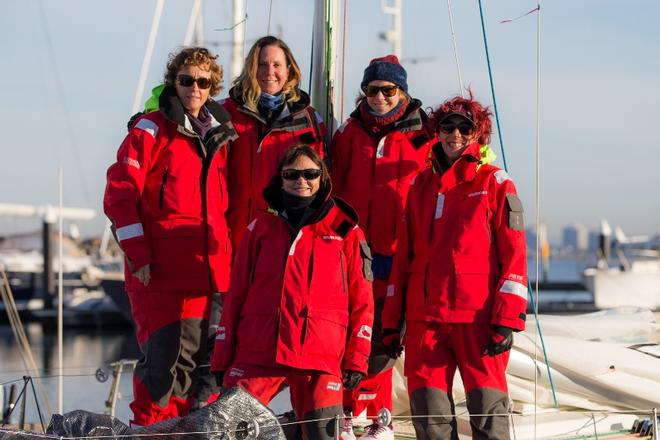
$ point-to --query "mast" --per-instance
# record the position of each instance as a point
(393, 36)
(324, 60)
(238, 40)
(195, 26)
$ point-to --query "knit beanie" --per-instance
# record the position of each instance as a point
(386, 68)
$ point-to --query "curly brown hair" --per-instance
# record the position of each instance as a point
(194, 56)
(246, 83)
(480, 115)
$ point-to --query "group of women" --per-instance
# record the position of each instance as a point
(411, 239)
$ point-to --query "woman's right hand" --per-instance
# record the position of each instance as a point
(143, 274)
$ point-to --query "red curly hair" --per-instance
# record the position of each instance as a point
(480, 115)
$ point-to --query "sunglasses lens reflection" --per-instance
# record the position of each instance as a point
(387, 91)
(465, 128)
(309, 174)
(188, 81)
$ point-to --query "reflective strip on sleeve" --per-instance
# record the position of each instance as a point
(148, 126)
(130, 231)
(250, 227)
(515, 288)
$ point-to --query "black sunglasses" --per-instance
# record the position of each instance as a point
(308, 174)
(188, 81)
(387, 91)
(465, 128)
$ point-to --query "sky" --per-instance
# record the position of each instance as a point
(70, 71)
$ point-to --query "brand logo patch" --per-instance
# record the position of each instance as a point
(390, 290)
(236, 372)
(220, 333)
(334, 386)
(478, 193)
(370, 396)
(365, 332)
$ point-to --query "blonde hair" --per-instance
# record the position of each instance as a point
(194, 56)
(246, 84)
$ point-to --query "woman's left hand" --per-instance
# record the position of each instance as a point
(352, 379)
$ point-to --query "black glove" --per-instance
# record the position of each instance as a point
(501, 340)
(132, 120)
(381, 266)
(391, 339)
(352, 379)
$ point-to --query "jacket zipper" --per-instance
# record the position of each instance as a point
(343, 273)
(162, 188)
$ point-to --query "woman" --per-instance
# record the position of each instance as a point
(270, 114)
(460, 278)
(375, 154)
(299, 308)
(166, 198)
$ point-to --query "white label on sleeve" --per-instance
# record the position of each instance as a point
(148, 126)
(130, 231)
(380, 150)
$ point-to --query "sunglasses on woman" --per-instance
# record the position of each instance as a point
(387, 91)
(465, 128)
(188, 81)
(308, 174)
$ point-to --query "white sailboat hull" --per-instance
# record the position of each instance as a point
(638, 286)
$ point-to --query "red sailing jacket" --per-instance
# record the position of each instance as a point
(302, 301)
(461, 257)
(254, 156)
(373, 175)
(166, 197)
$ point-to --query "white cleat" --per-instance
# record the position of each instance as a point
(378, 432)
(347, 428)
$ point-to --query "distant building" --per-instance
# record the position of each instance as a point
(575, 237)
(594, 240)
(530, 236)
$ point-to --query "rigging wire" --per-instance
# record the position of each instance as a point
(343, 63)
(63, 102)
(537, 208)
(22, 341)
(270, 11)
(453, 39)
(328, 65)
(492, 85)
(499, 131)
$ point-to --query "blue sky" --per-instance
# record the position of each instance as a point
(71, 68)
